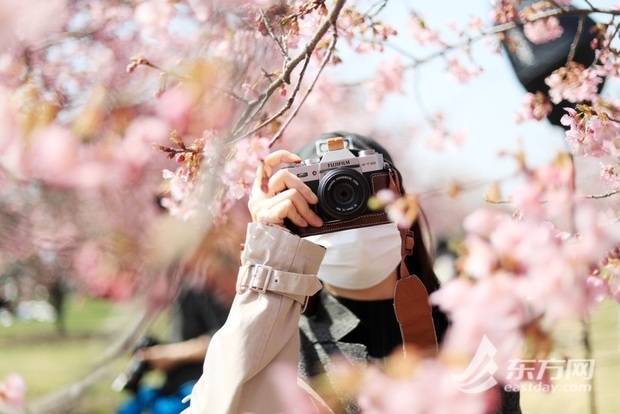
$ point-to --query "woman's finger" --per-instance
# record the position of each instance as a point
(284, 179)
(281, 210)
(259, 181)
(300, 204)
(278, 157)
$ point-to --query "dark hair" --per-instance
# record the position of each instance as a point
(419, 262)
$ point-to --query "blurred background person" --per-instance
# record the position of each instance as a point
(198, 311)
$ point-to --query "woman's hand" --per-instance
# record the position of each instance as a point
(164, 357)
(160, 357)
(281, 195)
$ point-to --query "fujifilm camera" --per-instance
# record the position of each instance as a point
(343, 183)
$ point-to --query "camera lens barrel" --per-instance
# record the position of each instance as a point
(343, 193)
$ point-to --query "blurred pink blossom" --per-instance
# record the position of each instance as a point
(240, 171)
(8, 114)
(386, 196)
(543, 30)
(422, 34)
(536, 106)
(53, 155)
(441, 136)
(99, 274)
(609, 174)
(174, 106)
(598, 289)
(381, 393)
(28, 22)
(483, 222)
(481, 259)
(590, 135)
(136, 148)
(153, 15)
(573, 83)
(461, 72)
(13, 391)
(388, 79)
(545, 271)
(292, 396)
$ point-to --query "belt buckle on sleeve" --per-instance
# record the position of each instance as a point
(255, 269)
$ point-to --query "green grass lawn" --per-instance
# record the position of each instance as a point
(605, 336)
(48, 361)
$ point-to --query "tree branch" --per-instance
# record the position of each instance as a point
(286, 107)
(605, 195)
(573, 46)
(277, 40)
(257, 105)
(326, 58)
(509, 26)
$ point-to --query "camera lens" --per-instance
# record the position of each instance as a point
(343, 193)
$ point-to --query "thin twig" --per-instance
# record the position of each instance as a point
(605, 195)
(501, 28)
(235, 96)
(285, 107)
(62, 37)
(613, 35)
(587, 345)
(573, 46)
(276, 39)
(486, 200)
(558, 5)
(326, 59)
(257, 105)
(590, 4)
(376, 8)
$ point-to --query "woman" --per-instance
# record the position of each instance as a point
(352, 316)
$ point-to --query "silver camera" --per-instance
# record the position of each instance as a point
(343, 183)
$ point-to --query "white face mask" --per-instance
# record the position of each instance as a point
(359, 258)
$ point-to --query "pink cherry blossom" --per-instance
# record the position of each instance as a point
(543, 30)
(386, 196)
(140, 139)
(590, 135)
(483, 222)
(240, 172)
(598, 289)
(12, 391)
(74, 121)
(610, 175)
(53, 155)
(174, 106)
(481, 259)
(153, 16)
(389, 79)
(422, 33)
(441, 136)
(573, 83)
(381, 393)
(29, 22)
(8, 113)
(462, 73)
(288, 390)
(536, 106)
(613, 285)
(546, 191)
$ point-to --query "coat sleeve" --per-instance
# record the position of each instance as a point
(278, 272)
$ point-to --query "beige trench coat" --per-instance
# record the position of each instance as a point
(278, 272)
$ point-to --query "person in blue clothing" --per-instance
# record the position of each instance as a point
(197, 314)
(199, 310)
